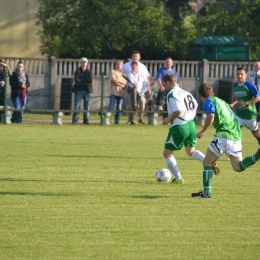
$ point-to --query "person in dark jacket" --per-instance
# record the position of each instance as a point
(3, 66)
(19, 83)
(82, 90)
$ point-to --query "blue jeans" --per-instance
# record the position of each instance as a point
(119, 102)
(79, 95)
(17, 116)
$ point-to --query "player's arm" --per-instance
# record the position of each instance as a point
(251, 101)
(233, 103)
(208, 122)
(173, 116)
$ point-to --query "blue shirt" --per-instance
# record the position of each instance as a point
(163, 71)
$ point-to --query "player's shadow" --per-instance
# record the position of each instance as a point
(20, 193)
(150, 197)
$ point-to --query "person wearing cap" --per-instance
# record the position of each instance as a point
(82, 89)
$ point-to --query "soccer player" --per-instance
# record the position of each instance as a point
(247, 95)
(227, 138)
(182, 108)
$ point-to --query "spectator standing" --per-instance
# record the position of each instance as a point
(136, 56)
(227, 139)
(254, 77)
(117, 83)
(246, 95)
(168, 68)
(82, 89)
(19, 83)
(136, 90)
(2, 83)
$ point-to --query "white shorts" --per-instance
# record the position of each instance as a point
(220, 145)
(251, 124)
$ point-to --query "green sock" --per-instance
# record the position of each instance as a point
(258, 139)
(207, 179)
(249, 161)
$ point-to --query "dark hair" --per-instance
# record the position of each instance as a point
(134, 63)
(205, 90)
(242, 68)
(136, 52)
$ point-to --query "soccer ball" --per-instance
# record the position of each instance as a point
(163, 175)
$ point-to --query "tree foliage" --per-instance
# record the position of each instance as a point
(111, 29)
(232, 18)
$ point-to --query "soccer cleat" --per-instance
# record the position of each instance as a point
(216, 170)
(200, 194)
(174, 181)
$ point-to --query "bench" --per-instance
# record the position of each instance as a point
(8, 114)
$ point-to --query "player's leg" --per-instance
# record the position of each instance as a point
(174, 142)
(240, 165)
(256, 134)
(215, 150)
(191, 141)
(172, 165)
(252, 125)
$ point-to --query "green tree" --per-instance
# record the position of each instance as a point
(112, 29)
(232, 18)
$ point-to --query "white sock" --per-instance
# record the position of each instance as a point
(198, 155)
(173, 166)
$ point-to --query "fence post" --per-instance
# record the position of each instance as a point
(54, 88)
(5, 90)
(102, 99)
(205, 69)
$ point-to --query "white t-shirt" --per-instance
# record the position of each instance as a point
(141, 68)
(139, 79)
(179, 99)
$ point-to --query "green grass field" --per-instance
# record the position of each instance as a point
(89, 192)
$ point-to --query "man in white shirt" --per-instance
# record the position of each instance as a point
(136, 90)
(136, 56)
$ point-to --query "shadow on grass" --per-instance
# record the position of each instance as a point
(149, 197)
(78, 181)
(20, 193)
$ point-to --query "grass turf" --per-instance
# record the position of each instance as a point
(89, 192)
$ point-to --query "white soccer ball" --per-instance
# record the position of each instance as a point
(163, 175)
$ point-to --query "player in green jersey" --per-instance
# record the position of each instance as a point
(247, 95)
(181, 106)
(227, 139)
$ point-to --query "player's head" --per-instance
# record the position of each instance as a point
(205, 90)
(241, 74)
(169, 80)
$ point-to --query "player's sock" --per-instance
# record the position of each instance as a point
(258, 139)
(198, 155)
(173, 166)
(250, 160)
(207, 179)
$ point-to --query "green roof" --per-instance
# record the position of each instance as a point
(221, 40)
